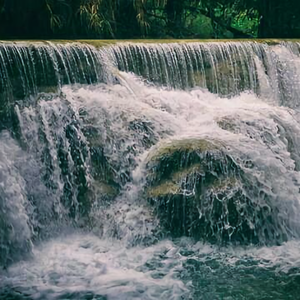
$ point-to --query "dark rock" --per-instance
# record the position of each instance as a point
(198, 190)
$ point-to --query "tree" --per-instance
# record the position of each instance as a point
(148, 18)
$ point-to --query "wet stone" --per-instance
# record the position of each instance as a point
(198, 190)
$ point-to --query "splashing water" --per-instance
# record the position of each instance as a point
(75, 221)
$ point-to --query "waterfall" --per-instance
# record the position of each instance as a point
(129, 170)
(225, 68)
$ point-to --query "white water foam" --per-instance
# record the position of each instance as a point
(84, 263)
(256, 131)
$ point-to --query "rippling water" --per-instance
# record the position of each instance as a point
(80, 266)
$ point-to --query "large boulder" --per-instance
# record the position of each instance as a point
(198, 190)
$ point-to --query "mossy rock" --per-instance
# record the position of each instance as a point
(184, 145)
(212, 215)
(105, 186)
(179, 155)
(113, 156)
(198, 190)
(172, 186)
(105, 192)
(48, 89)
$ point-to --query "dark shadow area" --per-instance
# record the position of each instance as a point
(49, 19)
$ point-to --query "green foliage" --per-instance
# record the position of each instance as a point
(55, 20)
(149, 18)
(200, 25)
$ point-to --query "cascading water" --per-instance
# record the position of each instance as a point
(149, 171)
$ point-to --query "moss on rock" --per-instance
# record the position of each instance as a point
(198, 190)
(180, 155)
(105, 192)
(183, 146)
(173, 185)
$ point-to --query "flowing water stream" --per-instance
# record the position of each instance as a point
(150, 171)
